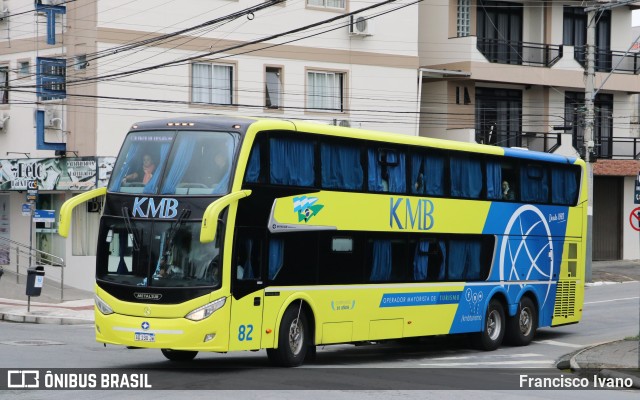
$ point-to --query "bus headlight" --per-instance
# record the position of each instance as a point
(102, 306)
(205, 311)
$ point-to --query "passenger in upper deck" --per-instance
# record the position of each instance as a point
(144, 174)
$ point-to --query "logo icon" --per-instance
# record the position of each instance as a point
(147, 296)
(530, 256)
(145, 325)
(306, 207)
(147, 311)
(19, 379)
(474, 299)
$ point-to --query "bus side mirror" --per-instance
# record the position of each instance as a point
(67, 208)
(211, 214)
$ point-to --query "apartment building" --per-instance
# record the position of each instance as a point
(512, 73)
(75, 75)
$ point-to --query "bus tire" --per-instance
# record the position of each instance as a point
(293, 339)
(493, 328)
(179, 355)
(521, 328)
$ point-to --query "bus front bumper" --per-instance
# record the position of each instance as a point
(163, 333)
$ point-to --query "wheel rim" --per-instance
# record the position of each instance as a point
(296, 332)
(494, 325)
(525, 321)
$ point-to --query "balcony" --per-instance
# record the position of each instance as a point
(519, 53)
(607, 60)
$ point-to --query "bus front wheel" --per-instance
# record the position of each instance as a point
(522, 327)
(179, 355)
(293, 339)
(493, 329)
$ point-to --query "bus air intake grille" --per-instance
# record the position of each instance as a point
(565, 299)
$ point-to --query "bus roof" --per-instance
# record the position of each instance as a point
(241, 124)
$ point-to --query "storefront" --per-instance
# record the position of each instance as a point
(57, 180)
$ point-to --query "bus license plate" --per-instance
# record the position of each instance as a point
(145, 337)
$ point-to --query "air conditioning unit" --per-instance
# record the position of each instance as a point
(52, 2)
(3, 121)
(52, 119)
(359, 25)
(342, 122)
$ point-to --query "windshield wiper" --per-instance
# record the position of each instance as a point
(173, 230)
(129, 225)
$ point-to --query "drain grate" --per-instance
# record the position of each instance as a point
(32, 342)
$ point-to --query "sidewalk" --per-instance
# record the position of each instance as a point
(77, 307)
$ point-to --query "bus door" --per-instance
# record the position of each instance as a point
(247, 290)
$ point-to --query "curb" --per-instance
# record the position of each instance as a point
(602, 372)
(39, 319)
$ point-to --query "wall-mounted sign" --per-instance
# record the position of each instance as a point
(72, 173)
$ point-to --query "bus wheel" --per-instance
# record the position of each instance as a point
(521, 328)
(293, 339)
(493, 330)
(179, 355)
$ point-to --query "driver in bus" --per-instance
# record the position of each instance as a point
(145, 174)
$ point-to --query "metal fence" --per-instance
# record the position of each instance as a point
(519, 53)
(28, 257)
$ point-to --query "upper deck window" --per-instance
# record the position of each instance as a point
(198, 163)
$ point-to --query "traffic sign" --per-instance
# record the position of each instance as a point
(44, 216)
(634, 219)
(26, 209)
(636, 196)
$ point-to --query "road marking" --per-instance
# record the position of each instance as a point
(487, 356)
(609, 301)
(489, 363)
(561, 344)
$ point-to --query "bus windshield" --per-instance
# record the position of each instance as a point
(145, 253)
(186, 162)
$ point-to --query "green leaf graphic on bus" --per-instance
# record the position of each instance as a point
(306, 207)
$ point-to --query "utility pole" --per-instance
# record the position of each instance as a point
(589, 122)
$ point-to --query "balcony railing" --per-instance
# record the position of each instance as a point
(606, 60)
(621, 148)
(519, 53)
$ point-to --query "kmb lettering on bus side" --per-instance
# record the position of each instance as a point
(418, 213)
(146, 207)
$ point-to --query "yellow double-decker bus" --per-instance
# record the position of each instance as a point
(221, 234)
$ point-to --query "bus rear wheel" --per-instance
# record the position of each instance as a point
(493, 329)
(179, 355)
(293, 339)
(521, 328)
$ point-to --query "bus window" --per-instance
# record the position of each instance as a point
(501, 180)
(466, 176)
(254, 167)
(200, 163)
(292, 258)
(122, 255)
(140, 163)
(178, 259)
(429, 260)
(386, 171)
(564, 185)
(248, 257)
(341, 167)
(340, 259)
(427, 174)
(468, 258)
(534, 183)
(292, 162)
(387, 260)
